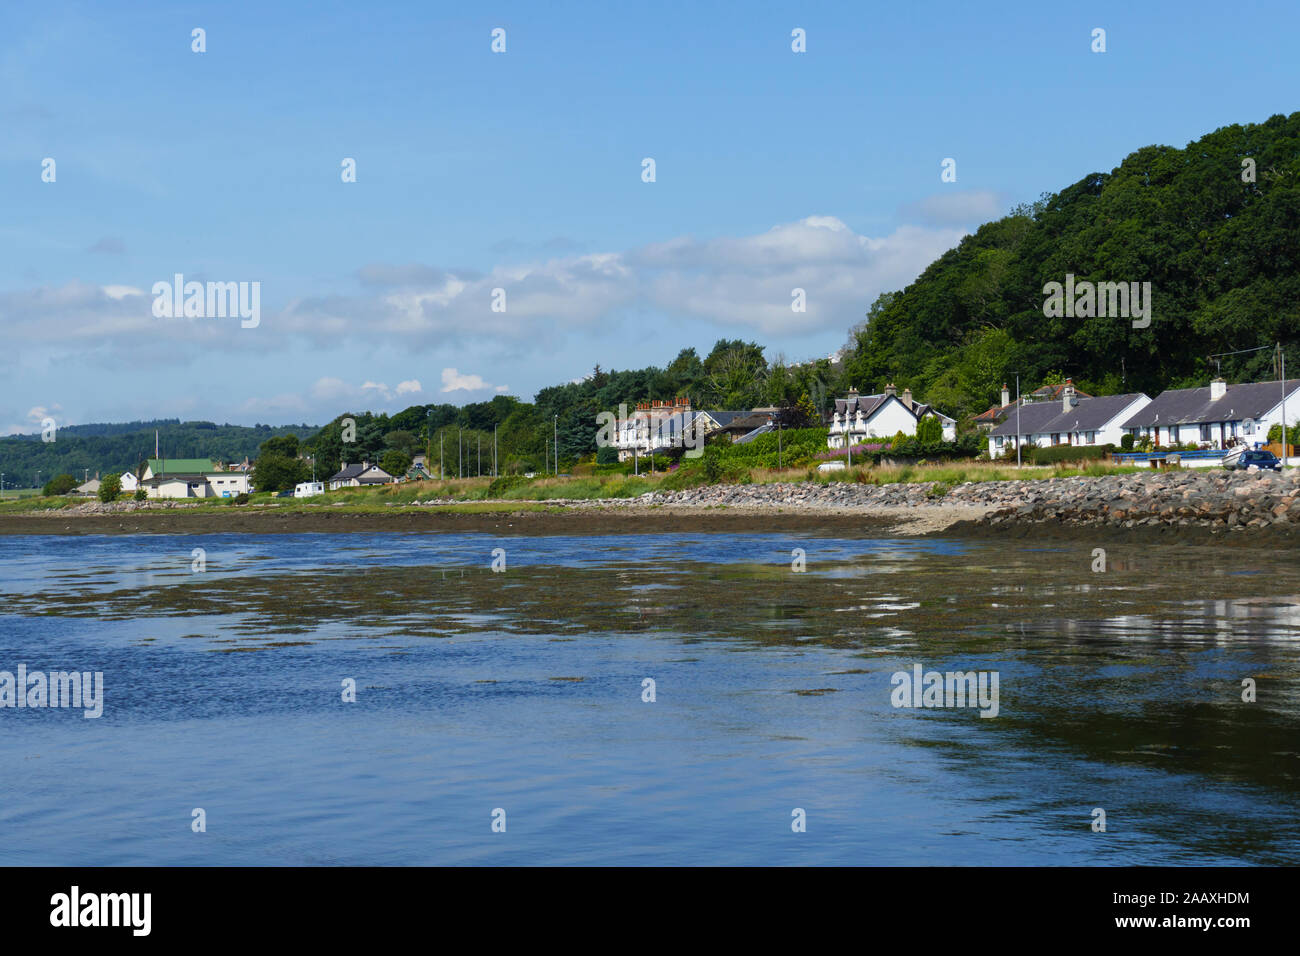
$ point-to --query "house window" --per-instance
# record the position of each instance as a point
(1205, 433)
(1173, 434)
(1056, 439)
(1092, 438)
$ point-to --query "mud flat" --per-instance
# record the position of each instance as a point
(1183, 505)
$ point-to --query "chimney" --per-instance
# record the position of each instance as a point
(1218, 388)
(1006, 396)
(1067, 395)
(890, 389)
(853, 392)
(907, 397)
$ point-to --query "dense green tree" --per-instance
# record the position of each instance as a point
(59, 485)
(395, 462)
(1221, 254)
(278, 473)
(110, 487)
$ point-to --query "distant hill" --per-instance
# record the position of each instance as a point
(104, 448)
(1214, 227)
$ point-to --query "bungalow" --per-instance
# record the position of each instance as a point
(129, 482)
(995, 415)
(1072, 421)
(191, 478)
(88, 488)
(354, 476)
(1220, 416)
(860, 417)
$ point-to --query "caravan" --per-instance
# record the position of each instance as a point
(308, 489)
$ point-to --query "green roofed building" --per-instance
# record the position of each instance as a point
(191, 478)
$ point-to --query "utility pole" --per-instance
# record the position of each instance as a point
(1017, 419)
(460, 455)
(557, 446)
(1281, 356)
(442, 473)
(778, 446)
(494, 450)
(480, 455)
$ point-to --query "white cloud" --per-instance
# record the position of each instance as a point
(121, 291)
(745, 281)
(967, 208)
(454, 381)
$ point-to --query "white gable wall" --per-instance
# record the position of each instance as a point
(890, 419)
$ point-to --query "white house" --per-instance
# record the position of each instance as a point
(1071, 421)
(191, 478)
(1218, 416)
(129, 482)
(354, 476)
(859, 418)
(659, 425)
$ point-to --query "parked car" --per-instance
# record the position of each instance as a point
(284, 494)
(1260, 459)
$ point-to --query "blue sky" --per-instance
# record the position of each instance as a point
(523, 171)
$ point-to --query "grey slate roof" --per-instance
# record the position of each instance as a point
(351, 471)
(750, 436)
(1031, 418)
(1090, 414)
(867, 404)
(1192, 406)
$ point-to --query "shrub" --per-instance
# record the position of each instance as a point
(140, 494)
(503, 483)
(241, 498)
(59, 485)
(607, 455)
(1057, 453)
(110, 488)
(929, 430)
(1126, 441)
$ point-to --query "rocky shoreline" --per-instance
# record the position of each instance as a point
(1214, 500)
(1193, 503)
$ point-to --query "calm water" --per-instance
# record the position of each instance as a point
(523, 691)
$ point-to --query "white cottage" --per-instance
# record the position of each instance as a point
(1220, 416)
(860, 418)
(1071, 421)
